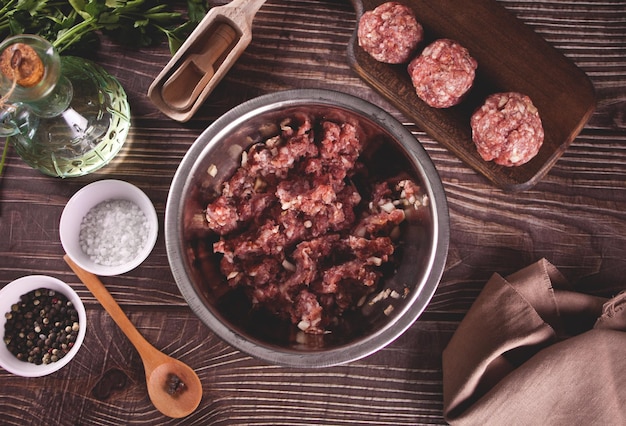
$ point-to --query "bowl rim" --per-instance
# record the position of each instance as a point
(368, 344)
(68, 224)
(19, 287)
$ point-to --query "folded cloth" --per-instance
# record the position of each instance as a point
(531, 351)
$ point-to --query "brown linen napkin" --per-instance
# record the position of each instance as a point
(528, 352)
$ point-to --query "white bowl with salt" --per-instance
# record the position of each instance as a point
(109, 227)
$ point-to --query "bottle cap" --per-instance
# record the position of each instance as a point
(20, 62)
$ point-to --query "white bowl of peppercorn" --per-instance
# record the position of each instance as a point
(43, 324)
(109, 227)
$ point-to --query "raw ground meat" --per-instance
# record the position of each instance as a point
(507, 129)
(295, 232)
(443, 73)
(390, 33)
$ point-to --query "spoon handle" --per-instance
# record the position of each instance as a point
(93, 283)
(248, 8)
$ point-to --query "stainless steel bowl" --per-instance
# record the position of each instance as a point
(217, 151)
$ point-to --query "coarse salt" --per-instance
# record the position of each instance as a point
(114, 232)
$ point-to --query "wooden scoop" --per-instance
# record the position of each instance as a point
(204, 59)
(174, 388)
(184, 86)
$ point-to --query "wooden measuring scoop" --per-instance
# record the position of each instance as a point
(204, 59)
(184, 86)
(173, 387)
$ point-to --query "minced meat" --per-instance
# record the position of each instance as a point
(294, 230)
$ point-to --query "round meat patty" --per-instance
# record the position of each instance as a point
(507, 129)
(443, 73)
(390, 33)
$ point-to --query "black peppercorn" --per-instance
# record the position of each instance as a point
(174, 385)
(41, 327)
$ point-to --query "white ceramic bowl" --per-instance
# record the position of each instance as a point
(11, 294)
(87, 198)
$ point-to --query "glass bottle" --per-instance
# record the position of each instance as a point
(65, 116)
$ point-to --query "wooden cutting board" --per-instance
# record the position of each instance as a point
(511, 57)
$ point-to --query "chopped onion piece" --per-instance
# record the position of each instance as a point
(289, 266)
(388, 207)
(374, 261)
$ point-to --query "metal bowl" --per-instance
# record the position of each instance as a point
(213, 158)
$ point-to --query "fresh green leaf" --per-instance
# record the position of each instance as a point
(81, 8)
(141, 23)
(108, 20)
(196, 10)
(95, 8)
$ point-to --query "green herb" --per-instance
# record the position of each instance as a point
(72, 25)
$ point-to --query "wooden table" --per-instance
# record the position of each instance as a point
(575, 217)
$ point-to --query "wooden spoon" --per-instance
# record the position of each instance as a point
(204, 59)
(174, 388)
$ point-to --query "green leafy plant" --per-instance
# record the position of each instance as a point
(73, 24)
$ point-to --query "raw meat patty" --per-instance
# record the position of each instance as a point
(507, 129)
(390, 33)
(443, 73)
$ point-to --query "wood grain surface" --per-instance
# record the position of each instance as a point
(575, 216)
